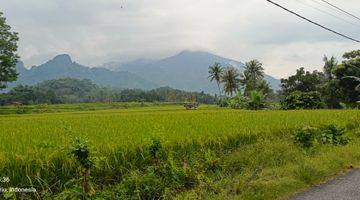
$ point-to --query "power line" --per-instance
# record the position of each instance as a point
(326, 12)
(342, 10)
(312, 22)
(325, 5)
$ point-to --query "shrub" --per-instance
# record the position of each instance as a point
(306, 136)
(333, 135)
(329, 134)
(256, 101)
(80, 151)
(302, 100)
(223, 102)
(238, 102)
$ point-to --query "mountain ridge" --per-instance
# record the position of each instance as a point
(62, 66)
(187, 70)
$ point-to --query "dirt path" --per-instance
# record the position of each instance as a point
(343, 188)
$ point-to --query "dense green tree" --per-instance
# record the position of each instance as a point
(302, 100)
(302, 81)
(347, 74)
(8, 56)
(303, 90)
(330, 89)
(21, 94)
(231, 80)
(215, 72)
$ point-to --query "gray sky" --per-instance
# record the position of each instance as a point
(98, 31)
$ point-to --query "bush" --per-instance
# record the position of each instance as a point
(256, 101)
(238, 102)
(307, 137)
(302, 100)
(223, 102)
(333, 135)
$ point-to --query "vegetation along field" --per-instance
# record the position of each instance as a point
(167, 152)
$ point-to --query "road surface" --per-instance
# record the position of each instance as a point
(342, 188)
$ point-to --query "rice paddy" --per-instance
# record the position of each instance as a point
(34, 147)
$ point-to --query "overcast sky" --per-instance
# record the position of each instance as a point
(98, 31)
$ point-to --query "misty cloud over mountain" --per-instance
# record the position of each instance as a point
(187, 70)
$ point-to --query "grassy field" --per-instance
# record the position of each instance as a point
(210, 153)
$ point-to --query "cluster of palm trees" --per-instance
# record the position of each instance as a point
(232, 81)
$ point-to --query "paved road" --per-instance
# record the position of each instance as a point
(343, 188)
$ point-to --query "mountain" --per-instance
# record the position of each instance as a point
(116, 66)
(187, 70)
(62, 66)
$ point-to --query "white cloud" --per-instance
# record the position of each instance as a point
(95, 31)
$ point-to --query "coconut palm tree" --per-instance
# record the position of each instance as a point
(254, 70)
(230, 79)
(215, 72)
(330, 65)
(253, 76)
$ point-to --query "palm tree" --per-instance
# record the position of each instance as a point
(252, 76)
(254, 70)
(231, 80)
(330, 65)
(215, 72)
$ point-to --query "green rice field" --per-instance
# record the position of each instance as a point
(245, 148)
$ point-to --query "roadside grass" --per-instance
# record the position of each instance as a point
(277, 170)
(210, 153)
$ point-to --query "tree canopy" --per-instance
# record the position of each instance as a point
(8, 56)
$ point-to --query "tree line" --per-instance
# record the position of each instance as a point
(336, 86)
(248, 89)
(70, 90)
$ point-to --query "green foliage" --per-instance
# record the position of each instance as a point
(69, 90)
(253, 78)
(306, 136)
(302, 81)
(230, 79)
(215, 73)
(238, 102)
(309, 136)
(331, 134)
(8, 56)
(80, 151)
(223, 102)
(338, 84)
(256, 101)
(302, 100)
(350, 67)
